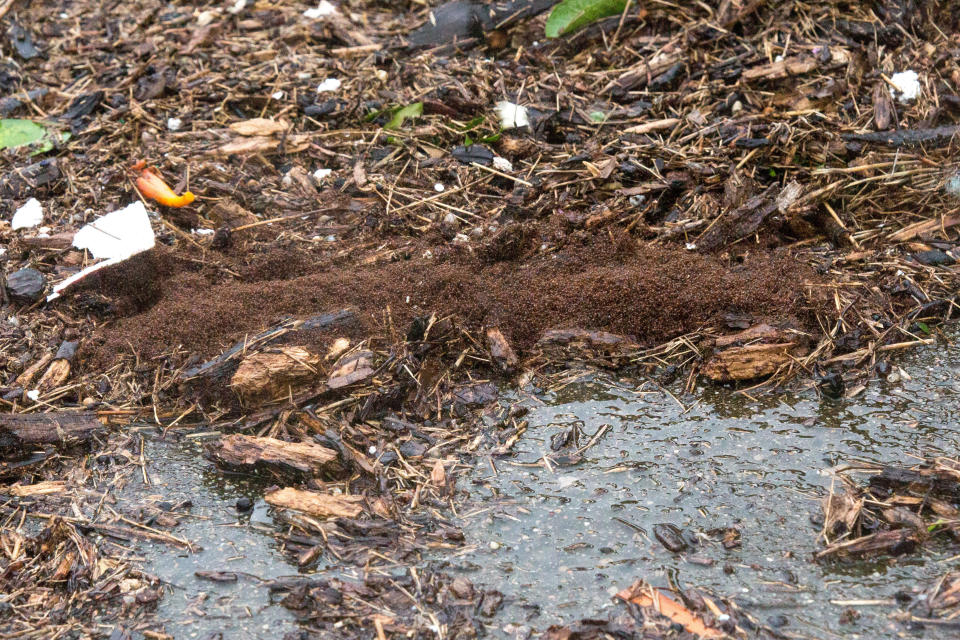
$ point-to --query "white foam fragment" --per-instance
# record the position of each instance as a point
(174, 124)
(330, 84)
(203, 232)
(238, 6)
(28, 216)
(113, 237)
(33, 394)
(502, 164)
(907, 84)
(277, 95)
(512, 116)
(206, 17)
(439, 188)
(119, 234)
(321, 174)
(323, 10)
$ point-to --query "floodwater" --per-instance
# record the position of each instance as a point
(558, 542)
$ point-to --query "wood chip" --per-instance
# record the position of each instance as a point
(320, 505)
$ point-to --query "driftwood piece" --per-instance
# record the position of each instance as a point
(748, 363)
(271, 373)
(249, 453)
(18, 430)
(319, 505)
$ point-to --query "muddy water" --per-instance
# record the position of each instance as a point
(561, 541)
(558, 542)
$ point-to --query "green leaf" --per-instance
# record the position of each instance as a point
(571, 15)
(467, 140)
(414, 110)
(20, 133)
(598, 116)
(17, 133)
(473, 124)
(924, 327)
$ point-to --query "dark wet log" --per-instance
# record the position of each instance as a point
(18, 430)
(250, 453)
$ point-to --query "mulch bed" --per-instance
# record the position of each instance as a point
(727, 190)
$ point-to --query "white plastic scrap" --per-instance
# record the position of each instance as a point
(238, 6)
(323, 10)
(28, 216)
(502, 164)
(174, 124)
(203, 232)
(320, 174)
(330, 84)
(33, 394)
(439, 188)
(907, 84)
(512, 116)
(114, 237)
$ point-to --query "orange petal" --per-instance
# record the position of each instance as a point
(152, 186)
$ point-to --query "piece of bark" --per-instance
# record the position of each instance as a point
(884, 110)
(501, 351)
(919, 229)
(44, 488)
(249, 453)
(782, 68)
(222, 365)
(756, 332)
(230, 214)
(320, 505)
(931, 138)
(24, 429)
(258, 127)
(271, 373)
(351, 368)
(748, 363)
(894, 542)
(262, 144)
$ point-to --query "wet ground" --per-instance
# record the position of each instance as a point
(558, 542)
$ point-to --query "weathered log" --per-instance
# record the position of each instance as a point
(18, 430)
(320, 505)
(249, 453)
(270, 373)
(748, 363)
